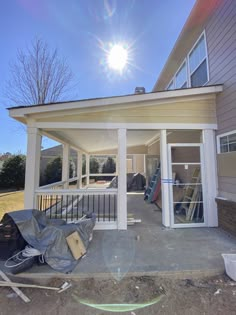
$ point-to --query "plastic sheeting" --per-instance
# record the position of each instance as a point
(49, 236)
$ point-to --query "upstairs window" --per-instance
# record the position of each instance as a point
(194, 70)
(227, 142)
(198, 64)
(181, 77)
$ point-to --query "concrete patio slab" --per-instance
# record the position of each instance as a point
(149, 248)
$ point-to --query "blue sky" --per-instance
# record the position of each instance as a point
(80, 29)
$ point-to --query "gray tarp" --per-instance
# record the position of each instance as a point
(49, 236)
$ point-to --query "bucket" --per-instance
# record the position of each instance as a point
(230, 265)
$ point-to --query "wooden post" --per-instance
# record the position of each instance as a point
(65, 165)
(32, 167)
(122, 181)
(165, 197)
(79, 169)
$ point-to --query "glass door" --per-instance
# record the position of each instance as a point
(186, 185)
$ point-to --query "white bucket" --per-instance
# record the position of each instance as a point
(230, 265)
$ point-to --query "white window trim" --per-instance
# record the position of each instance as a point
(203, 34)
(188, 73)
(218, 141)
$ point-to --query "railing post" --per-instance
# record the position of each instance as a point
(32, 167)
(65, 165)
(122, 181)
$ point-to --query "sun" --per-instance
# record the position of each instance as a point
(117, 57)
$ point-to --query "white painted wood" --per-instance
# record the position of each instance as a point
(210, 171)
(65, 164)
(112, 225)
(87, 191)
(164, 175)
(203, 183)
(108, 101)
(32, 167)
(137, 126)
(122, 181)
(87, 169)
(79, 169)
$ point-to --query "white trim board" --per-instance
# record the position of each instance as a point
(135, 98)
(131, 126)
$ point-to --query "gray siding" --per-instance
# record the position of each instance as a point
(221, 45)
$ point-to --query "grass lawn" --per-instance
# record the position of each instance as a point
(10, 201)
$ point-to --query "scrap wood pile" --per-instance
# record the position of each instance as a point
(28, 237)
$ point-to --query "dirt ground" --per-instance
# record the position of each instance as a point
(215, 295)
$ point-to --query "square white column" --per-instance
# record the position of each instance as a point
(79, 170)
(165, 191)
(65, 165)
(87, 169)
(32, 167)
(122, 181)
(210, 177)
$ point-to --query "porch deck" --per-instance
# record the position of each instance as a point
(149, 248)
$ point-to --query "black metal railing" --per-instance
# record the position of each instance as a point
(73, 207)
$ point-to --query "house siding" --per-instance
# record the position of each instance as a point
(221, 45)
(220, 31)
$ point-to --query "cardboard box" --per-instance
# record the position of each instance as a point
(76, 245)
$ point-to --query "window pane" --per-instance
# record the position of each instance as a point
(223, 140)
(232, 147)
(232, 138)
(171, 86)
(184, 86)
(199, 77)
(181, 77)
(224, 148)
(197, 55)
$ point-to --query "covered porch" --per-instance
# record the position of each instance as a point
(141, 125)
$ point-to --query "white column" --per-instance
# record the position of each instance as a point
(166, 207)
(87, 169)
(79, 169)
(134, 163)
(210, 177)
(122, 181)
(65, 165)
(32, 167)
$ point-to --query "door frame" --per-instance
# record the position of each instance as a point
(202, 167)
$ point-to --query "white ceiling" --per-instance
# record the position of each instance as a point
(100, 140)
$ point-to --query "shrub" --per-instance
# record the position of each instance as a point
(53, 171)
(12, 174)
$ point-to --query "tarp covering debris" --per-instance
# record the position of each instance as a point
(135, 182)
(49, 236)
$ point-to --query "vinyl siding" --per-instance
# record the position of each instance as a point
(221, 45)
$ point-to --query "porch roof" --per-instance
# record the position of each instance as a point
(90, 125)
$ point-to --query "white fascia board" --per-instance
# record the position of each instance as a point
(20, 112)
(139, 126)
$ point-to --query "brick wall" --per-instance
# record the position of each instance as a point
(227, 215)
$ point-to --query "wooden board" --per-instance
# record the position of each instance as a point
(76, 245)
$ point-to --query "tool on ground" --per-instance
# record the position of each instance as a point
(60, 289)
(18, 291)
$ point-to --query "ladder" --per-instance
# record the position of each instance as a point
(150, 191)
(192, 195)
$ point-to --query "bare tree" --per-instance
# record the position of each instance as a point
(38, 76)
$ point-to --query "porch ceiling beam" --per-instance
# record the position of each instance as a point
(135, 98)
(79, 125)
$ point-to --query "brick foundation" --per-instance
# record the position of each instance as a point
(227, 215)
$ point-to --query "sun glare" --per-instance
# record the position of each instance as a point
(117, 57)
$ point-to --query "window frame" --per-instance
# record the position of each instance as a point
(203, 34)
(222, 136)
(187, 61)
